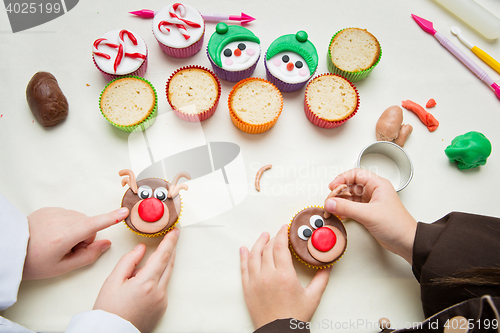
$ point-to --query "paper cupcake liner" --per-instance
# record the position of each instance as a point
(138, 72)
(198, 116)
(351, 76)
(246, 127)
(184, 52)
(282, 85)
(297, 256)
(143, 125)
(232, 76)
(313, 118)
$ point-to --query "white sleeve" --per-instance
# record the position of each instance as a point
(13, 243)
(98, 321)
(6, 326)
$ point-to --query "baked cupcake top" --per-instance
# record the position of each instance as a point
(119, 52)
(178, 25)
(127, 101)
(255, 101)
(315, 240)
(192, 90)
(354, 49)
(292, 58)
(331, 97)
(233, 47)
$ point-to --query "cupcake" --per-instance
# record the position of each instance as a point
(179, 29)
(233, 52)
(255, 105)
(353, 53)
(193, 92)
(290, 61)
(129, 103)
(315, 240)
(120, 52)
(330, 100)
(154, 204)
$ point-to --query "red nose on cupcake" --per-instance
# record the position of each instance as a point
(323, 239)
(150, 210)
(237, 52)
(289, 66)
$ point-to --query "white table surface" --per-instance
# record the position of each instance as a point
(75, 164)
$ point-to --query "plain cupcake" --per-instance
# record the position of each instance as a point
(353, 53)
(233, 52)
(193, 92)
(120, 52)
(330, 100)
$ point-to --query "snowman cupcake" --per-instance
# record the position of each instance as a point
(233, 52)
(290, 61)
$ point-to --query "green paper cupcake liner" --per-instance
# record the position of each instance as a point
(143, 125)
(351, 76)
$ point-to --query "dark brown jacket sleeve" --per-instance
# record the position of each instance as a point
(284, 326)
(457, 242)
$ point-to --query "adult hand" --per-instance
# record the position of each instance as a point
(270, 284)
(62, 240)
(375, 204)
(140, 295)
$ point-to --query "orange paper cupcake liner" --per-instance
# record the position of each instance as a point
(297, 256)
(196, 117)
(313, 118)
(244, 126)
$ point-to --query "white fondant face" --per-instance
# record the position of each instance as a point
(174, 37)
(289, 67)
(128, 64)
(238, 56)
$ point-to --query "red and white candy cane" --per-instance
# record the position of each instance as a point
(121, 48)
(178, 21)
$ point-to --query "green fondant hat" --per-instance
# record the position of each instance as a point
(225, 34)
(297, 43)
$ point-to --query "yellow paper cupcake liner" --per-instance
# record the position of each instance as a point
(244, 126)
(297, 256)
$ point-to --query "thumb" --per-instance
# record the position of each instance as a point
(318, 284)
(87, 255)
(342, 207)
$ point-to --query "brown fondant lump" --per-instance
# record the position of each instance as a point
(390, 126)
(46, 100)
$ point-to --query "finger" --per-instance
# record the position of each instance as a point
(88, 226)
(318, 284)
(365, 178)
(83, 244)
(85, 256)
(159, 260)
(165, 277)
(255, 256)
(282, 256)
(126, 266)
(268, 256)
(346, 208)
(244, 265)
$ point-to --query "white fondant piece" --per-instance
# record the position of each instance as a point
(279, 68)
(246, 60)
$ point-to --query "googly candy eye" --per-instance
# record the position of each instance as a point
(304, 232)
(316, 221)
(145, 192)
(161, 193)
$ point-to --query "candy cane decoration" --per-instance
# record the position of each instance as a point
(177, 21)
(121, 48)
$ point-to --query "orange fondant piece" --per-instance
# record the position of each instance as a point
(237, 52)
(430, 103)
(425, 117)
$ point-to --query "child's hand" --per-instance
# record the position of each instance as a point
(140, 295)
(62, 240)
(375, 204)
(270, 285)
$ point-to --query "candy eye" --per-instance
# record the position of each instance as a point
(285, 58)
(299, 64)
(242, 46)
(161, 193)
(228, 52)
(145, 192)
(316, 221)
(304, 232)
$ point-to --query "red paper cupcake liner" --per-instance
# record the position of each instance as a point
(313, 118)
(184, 52)
(198, 116)
(138, 72)
(232, 76)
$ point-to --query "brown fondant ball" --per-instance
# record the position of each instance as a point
(46, 100)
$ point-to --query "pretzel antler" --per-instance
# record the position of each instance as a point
(174, 189)
(130, 180)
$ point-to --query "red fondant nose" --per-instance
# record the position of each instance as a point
(323, 239)
(237, 52)
(150, 210)
(289, 66)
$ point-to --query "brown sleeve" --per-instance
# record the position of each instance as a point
(453, 244)
(288, 325)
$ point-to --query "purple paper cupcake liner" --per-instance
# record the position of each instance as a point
(184, 52)
(280, 84)
(138, 72)
(232, 76)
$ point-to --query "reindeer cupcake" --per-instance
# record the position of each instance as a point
(154, 203)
